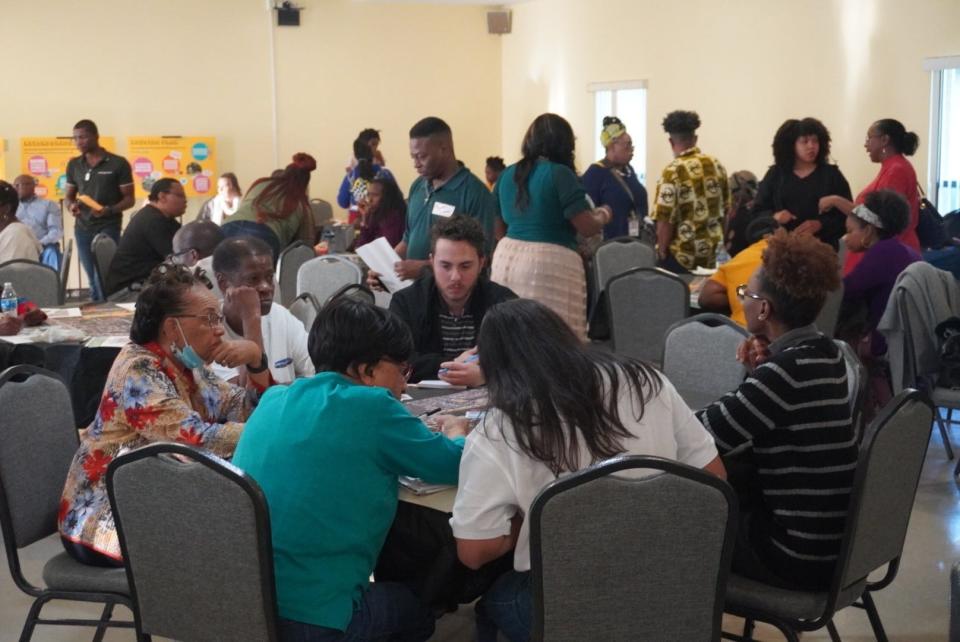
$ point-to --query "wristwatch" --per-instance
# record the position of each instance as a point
(263, 365)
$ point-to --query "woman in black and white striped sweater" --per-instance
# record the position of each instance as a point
(786, 431)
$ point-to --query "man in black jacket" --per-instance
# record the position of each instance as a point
(445, 306)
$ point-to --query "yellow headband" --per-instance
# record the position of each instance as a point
(612, 132)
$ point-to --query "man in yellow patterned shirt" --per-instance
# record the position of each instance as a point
(692, 197)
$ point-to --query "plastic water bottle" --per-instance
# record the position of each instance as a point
(722, 255)
(8, 300)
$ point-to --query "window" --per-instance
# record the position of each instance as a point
(944, 178)
(628, 102)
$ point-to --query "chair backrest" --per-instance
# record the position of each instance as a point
(305, 308)
(618, 255)
(700, 355)
(65, 269)
(856, 384)
(31, 279)
(642, 304)
(291, 258)
(355, 291)
(322, 212)
(38, 440)
(830, 312)
(603, 553)
(955, 602)
(325, 275)
(891, 458)
(103, 248)
(195, 535)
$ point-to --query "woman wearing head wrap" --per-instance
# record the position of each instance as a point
(612, 181)
(276, 209)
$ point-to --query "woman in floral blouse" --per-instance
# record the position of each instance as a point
(159, 389)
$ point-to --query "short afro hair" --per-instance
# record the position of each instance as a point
(892, 210)
(458, 228)
(349, 333)
(683, 123)
(430, 126)
(797, 273)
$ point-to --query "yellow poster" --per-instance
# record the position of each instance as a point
(45, 158)
(190, 159)
(3, 160)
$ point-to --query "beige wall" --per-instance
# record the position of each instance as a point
(744, 65)
(203, 68)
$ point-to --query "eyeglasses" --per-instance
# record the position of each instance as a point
(743, 292)
(177, 255)
(405, 368)
(213, 319)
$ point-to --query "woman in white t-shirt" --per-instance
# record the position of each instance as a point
(541, 380)
(16, 239)
(224, 205)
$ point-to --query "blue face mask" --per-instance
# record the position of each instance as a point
(187, 355)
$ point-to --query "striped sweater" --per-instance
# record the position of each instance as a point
(792, 418)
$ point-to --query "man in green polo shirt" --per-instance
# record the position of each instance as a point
(104, 177)
(445, 187)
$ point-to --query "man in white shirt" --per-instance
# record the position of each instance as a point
(243, 267)
(43, 217)
(193, 246)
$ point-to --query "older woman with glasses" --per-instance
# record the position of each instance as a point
(327, 451)
(159, 389)
(613, 182)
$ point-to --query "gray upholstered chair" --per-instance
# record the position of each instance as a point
(322, 214)
(305, 308)
(955, 602)
(616, 256)
(355, 291)
(324, 275)
(38, 440)
(65, 270)
(291, 258)
(604, 546)
(700, 358)
(31, 279)
(884, 489)
(195, 533)
(642, 304)
(830, 312)
(103, 248)
(856, 384)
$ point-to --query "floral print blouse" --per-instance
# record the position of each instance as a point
(148, 398)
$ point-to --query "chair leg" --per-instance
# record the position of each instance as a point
(104, 622)
(875, 623)
(748, 629)
(32, 616)
(832, 630)
(956, 470)
(944, 435)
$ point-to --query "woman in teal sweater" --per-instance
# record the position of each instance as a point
(327, 451)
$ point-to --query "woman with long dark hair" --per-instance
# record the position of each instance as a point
(556, 407)
(353, 188)
(801, 175)
(543, 207)
(889, 143)
(383, 212)
(277, 209)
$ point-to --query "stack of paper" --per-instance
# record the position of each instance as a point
(380, 257)
(419, 487)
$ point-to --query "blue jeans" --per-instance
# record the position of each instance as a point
(387, 611)
(85, 254)
(506, 607)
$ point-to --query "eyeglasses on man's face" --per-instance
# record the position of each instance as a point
(742, 292)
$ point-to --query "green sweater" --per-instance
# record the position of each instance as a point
(327, 452)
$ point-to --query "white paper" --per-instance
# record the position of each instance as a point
(114, 341)
(702, 271)
(29, 337)
(380, 257)
(129, 307)
(62, 313)
(436, 383)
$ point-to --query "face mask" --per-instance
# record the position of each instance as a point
(187, 356)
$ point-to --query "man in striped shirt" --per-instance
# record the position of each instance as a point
(786, 431)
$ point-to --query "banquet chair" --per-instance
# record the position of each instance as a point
(291, 258)
(305, 308)
(38, 440)
(33, 280)
(195, 533)
(603, 553)
(700, 358)
(324, 275)
(642, 304)
(884, 489)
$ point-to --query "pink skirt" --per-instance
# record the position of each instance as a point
(544, 272)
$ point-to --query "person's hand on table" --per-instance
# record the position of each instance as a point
(239, 352)
(811, 226)
(451, 426)
(783, 217)
(462, 371)
(753, 352)
(409, 268)
(373, 281)
(34, 317)
(9, 326)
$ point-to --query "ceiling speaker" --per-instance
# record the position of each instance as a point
(499, 22)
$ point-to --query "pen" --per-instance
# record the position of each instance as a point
(470, 359)
(428, 413)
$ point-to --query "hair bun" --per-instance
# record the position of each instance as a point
(611, 120)
(910, 143)
(304, 161)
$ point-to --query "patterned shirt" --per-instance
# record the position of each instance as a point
(693, 195)
(459, 333)
(147, 398)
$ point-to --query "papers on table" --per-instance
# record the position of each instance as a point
(62, 313)
(129, 307)
(702, 271)
(435, 384)
(116, 341)
(380, 257)
(419, 487)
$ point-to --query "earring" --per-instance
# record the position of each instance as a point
(761, 317)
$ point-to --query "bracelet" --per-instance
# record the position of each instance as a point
(258, 369)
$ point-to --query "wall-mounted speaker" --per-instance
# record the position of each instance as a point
(288, 15)
(499, 22)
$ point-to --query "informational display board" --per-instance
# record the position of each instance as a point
(45, 158)
(190, 159)
(3, 161)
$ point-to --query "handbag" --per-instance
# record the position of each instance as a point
(930, 225)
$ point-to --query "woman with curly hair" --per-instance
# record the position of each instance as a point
(789, 422)
(277, 209)
(801, 175)
(159, 389)
(543, 206)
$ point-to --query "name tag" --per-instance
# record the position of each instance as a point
(283, 363)
(443, 209)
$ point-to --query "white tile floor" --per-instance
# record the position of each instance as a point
(914, 609)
